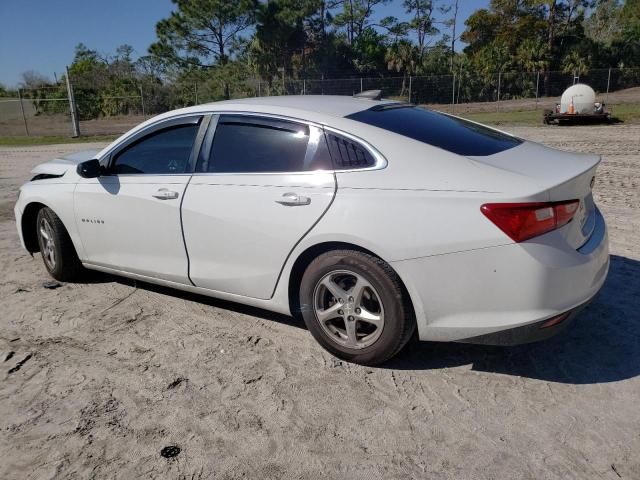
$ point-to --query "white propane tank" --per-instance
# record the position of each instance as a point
(582, 96)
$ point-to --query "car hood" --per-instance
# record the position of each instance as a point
(58, 166)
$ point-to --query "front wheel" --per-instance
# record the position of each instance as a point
(354, 305)
(58, 252)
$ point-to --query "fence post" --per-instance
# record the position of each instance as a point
(453, 92)
(361, 89)
(606, 98)
(304, 86)
(410, 85)
(498, 103)
(142, 102)
(259, 87)
(72, 105)
(24, 118)
(537, 83)
(195, 90)
(459, 83)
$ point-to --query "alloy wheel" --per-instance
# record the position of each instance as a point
(348, 309)
(48, 245)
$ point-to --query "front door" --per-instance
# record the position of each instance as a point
(259, 186)
(129, 219)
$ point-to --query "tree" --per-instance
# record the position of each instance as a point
(453, 23)
(421, 22)
(356, 16)
(532, 55)
(605, 23)
(575, 63)
(33, 80)
(203, 33)
(403, 57)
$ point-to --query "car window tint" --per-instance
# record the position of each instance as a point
(244, 144)
(347, 154)
(165, 151)
(437, 129)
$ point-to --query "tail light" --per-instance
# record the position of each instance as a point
(522, 221)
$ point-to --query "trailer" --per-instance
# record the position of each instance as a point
(578, 106)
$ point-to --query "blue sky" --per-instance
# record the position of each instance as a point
(41, 35)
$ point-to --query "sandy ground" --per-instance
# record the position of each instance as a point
(98, 378)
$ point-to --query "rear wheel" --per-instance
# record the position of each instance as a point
(354, 306)
(58, 253)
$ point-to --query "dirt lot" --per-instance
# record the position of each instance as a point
(97, 378)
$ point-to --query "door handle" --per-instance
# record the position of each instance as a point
(165, 194)
(293, 200)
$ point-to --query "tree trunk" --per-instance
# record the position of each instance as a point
(551, 36)
(453, 35)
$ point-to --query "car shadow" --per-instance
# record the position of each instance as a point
(602, 345)
(99, 277)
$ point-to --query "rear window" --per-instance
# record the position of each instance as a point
(437, 129)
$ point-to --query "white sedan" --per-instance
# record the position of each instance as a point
(371, 219)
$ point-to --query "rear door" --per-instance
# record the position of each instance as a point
(260, 184)
(129, 218)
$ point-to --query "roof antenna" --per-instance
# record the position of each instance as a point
(370, 94)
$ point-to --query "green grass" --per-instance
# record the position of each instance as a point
(627, 113)
(26, 141)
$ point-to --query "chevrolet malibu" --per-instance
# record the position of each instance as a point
(373, 220)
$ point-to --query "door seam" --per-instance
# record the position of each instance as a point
(286, 260)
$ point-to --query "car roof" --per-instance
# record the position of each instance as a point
(334, 105)
(302, 106)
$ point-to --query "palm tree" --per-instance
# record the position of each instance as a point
(532, 55)
(575, 63)
(403, 57)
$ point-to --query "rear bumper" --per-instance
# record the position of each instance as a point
(479, 295)
(533, 332)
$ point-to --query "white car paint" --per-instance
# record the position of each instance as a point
(420, 213)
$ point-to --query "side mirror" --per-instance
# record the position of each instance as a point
(89, 169)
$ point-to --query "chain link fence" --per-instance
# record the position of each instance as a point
(48, 110)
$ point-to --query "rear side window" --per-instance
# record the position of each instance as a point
(347, 154)
(162, 152)
(245, 144)
(443, 131)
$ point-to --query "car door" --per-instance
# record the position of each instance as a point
(129, 218)
(260, 184)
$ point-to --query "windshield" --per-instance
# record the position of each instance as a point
(440, 130)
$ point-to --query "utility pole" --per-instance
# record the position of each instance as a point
(72, 106)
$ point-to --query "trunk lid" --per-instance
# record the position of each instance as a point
(558, 176)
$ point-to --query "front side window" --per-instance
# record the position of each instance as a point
(246, 144)
(165, 151)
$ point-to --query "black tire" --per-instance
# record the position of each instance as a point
(399, 321)
(66, 266)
